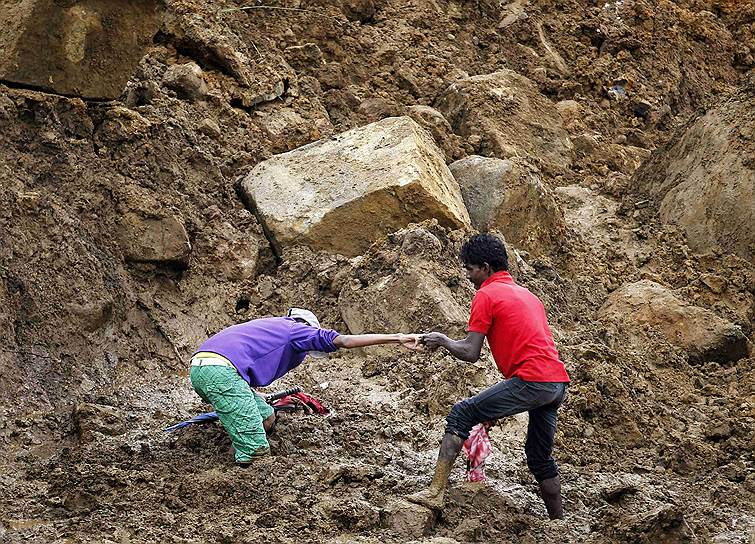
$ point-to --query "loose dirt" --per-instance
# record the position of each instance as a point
(97, 323)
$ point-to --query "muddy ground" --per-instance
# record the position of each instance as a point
(655, 442)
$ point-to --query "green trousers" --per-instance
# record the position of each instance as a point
(241, 410)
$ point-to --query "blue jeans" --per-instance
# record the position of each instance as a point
(509, 397)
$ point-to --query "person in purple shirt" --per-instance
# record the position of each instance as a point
(230, 363)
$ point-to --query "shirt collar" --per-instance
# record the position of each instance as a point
(501, 275)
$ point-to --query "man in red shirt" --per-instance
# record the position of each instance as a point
(514, 321)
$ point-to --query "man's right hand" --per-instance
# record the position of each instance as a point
(434, 340)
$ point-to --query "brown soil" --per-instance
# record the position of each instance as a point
(95, 333)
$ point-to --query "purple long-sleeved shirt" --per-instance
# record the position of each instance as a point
(263, 350)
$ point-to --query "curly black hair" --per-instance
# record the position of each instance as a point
(485, 248)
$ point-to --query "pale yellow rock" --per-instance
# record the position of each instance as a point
(344, 193)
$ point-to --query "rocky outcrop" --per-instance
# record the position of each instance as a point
(700, 332)
(504, 115)
(89, 48)
(508, 195)
(344, 193)
(704, 178)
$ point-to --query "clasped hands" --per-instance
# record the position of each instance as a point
(420, 342)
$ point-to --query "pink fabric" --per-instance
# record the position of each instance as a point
(476, 449)
(308, 403)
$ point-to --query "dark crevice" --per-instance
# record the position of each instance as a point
(202, 55)
(47, 90)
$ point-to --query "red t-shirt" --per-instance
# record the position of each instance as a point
(515, 323)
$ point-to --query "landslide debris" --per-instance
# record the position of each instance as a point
(125, 243)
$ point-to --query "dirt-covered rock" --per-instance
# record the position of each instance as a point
(91, 48)
(380, 177)
(161, 240)
(407, 267)
(504, 115)
(508, 195)
(704, 178)
(407, 519)
(186, 80)
(92, 418)
(702, 334)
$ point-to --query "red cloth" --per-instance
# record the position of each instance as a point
(515, 323)
(308, 402)
(476, 449)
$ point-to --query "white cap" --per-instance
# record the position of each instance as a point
(305, 315)
(310, 319)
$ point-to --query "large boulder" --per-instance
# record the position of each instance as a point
(704, 178)
(700, 332)
(504, 115)
(89, 48)
(344, 193)
(508, 195)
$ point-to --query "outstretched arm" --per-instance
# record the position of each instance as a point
(467, 350)
(410, 341)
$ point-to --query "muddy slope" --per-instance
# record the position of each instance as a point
(124, 243)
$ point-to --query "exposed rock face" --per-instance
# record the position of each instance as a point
(508, 195)
(90, 47)
(505, 116)
(704, 335)
(705, 178)
(344, 193)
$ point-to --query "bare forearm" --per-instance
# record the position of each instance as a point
(461, 349)
(362, 340)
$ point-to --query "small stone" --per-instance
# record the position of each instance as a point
(719, 430)
(186, 80)
(304, 56)
(642, 108)
(210, 128)
(408, 519)
(716, 284)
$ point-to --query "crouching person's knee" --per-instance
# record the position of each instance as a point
(460, 420)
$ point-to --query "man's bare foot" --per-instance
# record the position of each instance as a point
(428, 498)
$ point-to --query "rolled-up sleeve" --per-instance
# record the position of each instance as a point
(306, 338)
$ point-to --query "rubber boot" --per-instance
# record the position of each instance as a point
(550, 491)
(433, 497)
